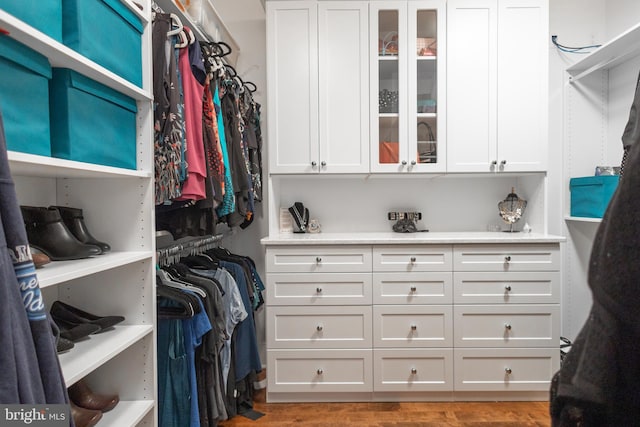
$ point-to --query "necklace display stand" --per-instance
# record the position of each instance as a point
(300, 216)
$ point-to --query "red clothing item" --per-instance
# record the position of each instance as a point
(194, 186)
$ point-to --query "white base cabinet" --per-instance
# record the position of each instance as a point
(372, 322)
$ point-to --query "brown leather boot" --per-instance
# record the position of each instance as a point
(84, 417)
(40, 259)
(81, 395)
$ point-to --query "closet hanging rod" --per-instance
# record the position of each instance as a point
(191, 245)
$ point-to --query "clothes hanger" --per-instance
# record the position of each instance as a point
(246, 84)
(177, 23)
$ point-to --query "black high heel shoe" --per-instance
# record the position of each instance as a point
(74, 220)
(76, 316)
(74, 332)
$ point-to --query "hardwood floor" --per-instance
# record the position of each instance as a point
(457, 414)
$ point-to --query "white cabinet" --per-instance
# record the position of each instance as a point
(408, 99)
(318, 84)
(497, 85)
(118, 208)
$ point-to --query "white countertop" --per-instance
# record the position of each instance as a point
(409, 238)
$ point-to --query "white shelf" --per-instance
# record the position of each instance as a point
(582, 219)
(135, 9)
(610, 54)
(426, 115)
(23, 164)
(61, 56)
(95, 351)
(387, 57)
(126, 413)
(61, 271)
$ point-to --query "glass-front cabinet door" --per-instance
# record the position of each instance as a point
(407, 81)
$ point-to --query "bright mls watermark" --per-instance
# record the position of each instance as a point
(34, 415)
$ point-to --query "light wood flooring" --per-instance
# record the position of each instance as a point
(457, 414)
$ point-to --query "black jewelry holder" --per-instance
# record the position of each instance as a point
(300, 216)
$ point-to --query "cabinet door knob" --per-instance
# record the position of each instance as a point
(507, 288)
(318, 290)
(493, 163)
(507, 326)
(318, 260)
(413, 259)
(323, 163)
(503, 162)
(414, 371)
(404, 163)
(507, 258)
(319, 328)
(508, 371)
(314, 163)
(413, 162)
(319, 371)
(414, 327)
(413, 289)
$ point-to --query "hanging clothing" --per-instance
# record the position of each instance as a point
(228, 204)
(31, 372)
(193, 187)
(168, 124)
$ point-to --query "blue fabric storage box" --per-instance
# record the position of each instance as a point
(24, 98)
(106, 32)
(590, 195)
(91, 122)
(43, 15)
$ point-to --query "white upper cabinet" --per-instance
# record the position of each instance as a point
(318, 87)
(407, 98)
(497, 85)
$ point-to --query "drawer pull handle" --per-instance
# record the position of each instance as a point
(318, 260)
(318, 290)
(507, 258)
(413, 289)
(319, 372)
(413, 259)
(507, 288)
(507, 326)
(414, 371)
(508, 371)
(319, 328)
(414, 327)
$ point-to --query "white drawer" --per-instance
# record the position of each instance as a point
(507, 326)
(412, 288)
(506, 288)
(319, 289)
(318, 259)
(413, 370)
(319, 370)
(319, 327)
(522, 369)
(412, 326)
(516, 257)
(412, 258)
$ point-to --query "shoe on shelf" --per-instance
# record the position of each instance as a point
(74, 315)
(74, 332)
(84, 417)
(83, 396)
(47, 232)
(39, 259)
(63, 345)
(74, 220)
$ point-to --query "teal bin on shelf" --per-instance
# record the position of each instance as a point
(590, 195)
(24, 98)
(43, 15)
(107, 32)
(91, 122)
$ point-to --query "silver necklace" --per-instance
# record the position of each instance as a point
(302, 220)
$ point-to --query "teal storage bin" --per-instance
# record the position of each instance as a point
(43, 15)
(107, 32)
(590, 195)
(91, 122)
(24, 98)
